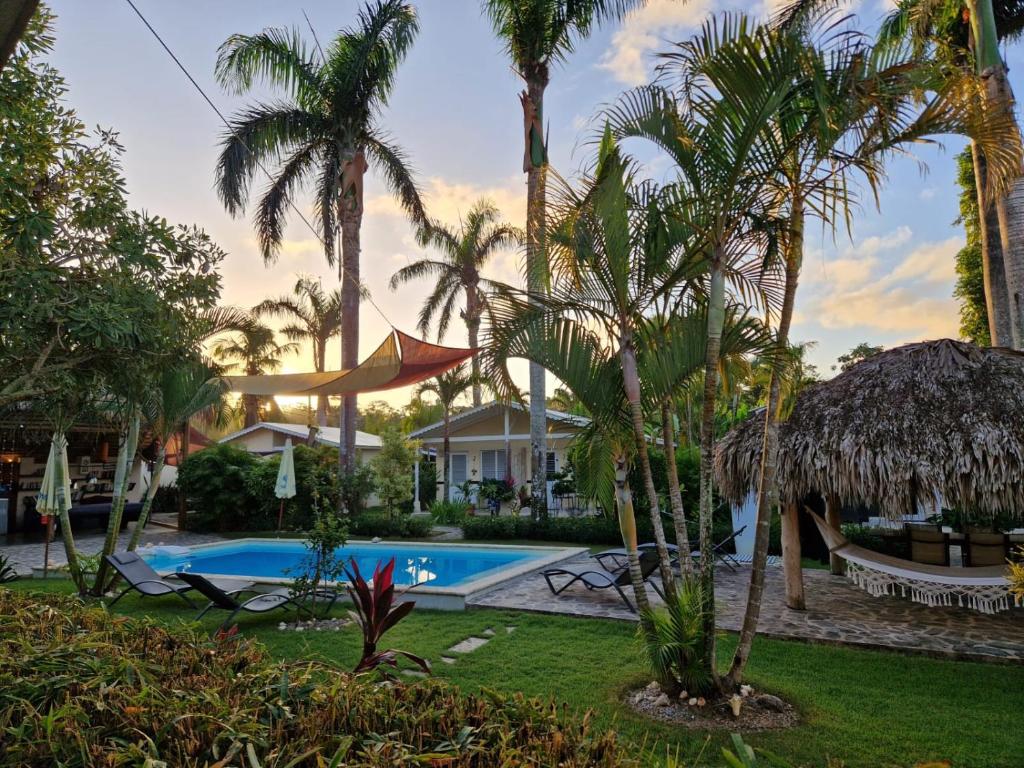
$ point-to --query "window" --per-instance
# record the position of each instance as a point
(492, 465)
(552, 464)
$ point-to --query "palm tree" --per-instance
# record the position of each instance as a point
(316, 318)
(254, 352)
(189, 390)
(328, 130)
(564, 400)
(538, 34)
(448, 388)
(464, 253)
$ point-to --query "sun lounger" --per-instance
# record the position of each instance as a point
(593, 578)
(261, 602)
(143, 579)
(720, 551)
(614, 560)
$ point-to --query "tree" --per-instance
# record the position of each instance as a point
(328, 129)
(464, 253)
(447, 388)
(316, 318)
(392, 469)
(538, 34)
(970, 272)
(255, 352)
(379, 416)
(860, 352)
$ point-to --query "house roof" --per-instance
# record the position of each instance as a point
(326, 436)
(487, 410)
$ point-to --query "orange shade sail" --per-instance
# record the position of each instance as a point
(399, 361)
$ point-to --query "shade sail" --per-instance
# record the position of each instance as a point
(399, 361)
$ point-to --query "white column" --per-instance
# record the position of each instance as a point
(416, 487)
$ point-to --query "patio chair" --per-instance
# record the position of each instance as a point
(593, 579)
(143, 579)
(928, 544)
(614, 560)
(262, 602)
(720, 551)
(985, 548)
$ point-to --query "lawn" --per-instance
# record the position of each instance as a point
(868, 708)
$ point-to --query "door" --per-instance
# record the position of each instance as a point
(458, 473)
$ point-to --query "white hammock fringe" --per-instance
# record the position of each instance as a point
(983, 598)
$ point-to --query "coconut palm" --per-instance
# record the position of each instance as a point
(191, 389)
(464, 253)
(448, 388)
(327, 131)
(538, 34)
(254, 352)
(316, 319)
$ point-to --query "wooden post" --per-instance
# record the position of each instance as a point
(791, 557)
(833, 510)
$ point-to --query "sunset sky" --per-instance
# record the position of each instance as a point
(455, 111)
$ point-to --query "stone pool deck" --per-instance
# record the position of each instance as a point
(837, 613)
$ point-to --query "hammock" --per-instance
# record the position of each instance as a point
(981, 589)
(400, 360)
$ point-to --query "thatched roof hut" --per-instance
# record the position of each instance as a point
(936, 419)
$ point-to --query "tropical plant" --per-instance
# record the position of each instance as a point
(254, 352)
(322, 563)
(392, 469)
(859, 353)
(449, 512)
(355, 488)
(315, 317)
(672, 641)
(186, 391)
(538, 34)
(376, 612)
(464, 253)
(215, 483)
(327, 129)
(7, 572)
(447, 388)
(970, 268)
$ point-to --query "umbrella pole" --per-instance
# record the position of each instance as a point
(280, 517)
(46, 545)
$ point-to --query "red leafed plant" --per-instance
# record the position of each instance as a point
(376, 612)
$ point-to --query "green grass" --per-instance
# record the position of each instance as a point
(868, 708)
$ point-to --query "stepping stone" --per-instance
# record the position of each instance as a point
(469, 645)
(413, 673)
(509, 630)
(447, 659)
(488, 632)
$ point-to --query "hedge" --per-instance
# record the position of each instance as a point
(82, 687)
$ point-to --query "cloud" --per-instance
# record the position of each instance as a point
(878, 286)
(928, 193)
(447, 200)
(644, 31)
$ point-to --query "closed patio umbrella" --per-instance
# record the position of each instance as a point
(285, 488)
(54, 492)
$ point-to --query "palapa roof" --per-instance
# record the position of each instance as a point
(935, 419)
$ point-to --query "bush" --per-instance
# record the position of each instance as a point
(449, 512)
(216, 483)
(389, 526)
(316, 475)
(174, 697)
(356, 489)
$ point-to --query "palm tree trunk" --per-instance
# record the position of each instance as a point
(675, 494)
(122, 472)
(250, 410)
(536, 281)
(183, 451)
(997, 299)
(447, 456)
(321, 400)
(473, 330)
(631, 381)
(351, 221)
(768, 489)
(147, 503)
(627, 526)
(716, 322)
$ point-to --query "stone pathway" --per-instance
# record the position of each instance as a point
(837, 613)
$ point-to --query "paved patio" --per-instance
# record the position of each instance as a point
(837, 612)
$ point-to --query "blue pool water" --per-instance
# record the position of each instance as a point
(414, 563)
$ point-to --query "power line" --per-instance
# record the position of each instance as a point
(248, 149)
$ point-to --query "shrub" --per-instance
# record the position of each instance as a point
(388, 526)
(316, 476)
(449, 512)
(392, 469)
(174, 697)
(215, 482)
(355, 489)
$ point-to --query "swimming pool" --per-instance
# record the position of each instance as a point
(452, 570)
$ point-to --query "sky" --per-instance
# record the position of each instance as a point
(456, 112)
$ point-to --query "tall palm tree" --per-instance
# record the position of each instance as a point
(189, 390)
(464, 253)
(448, 388)
(327, 130)
(316, 318)
(537, 34)
(254, 352)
